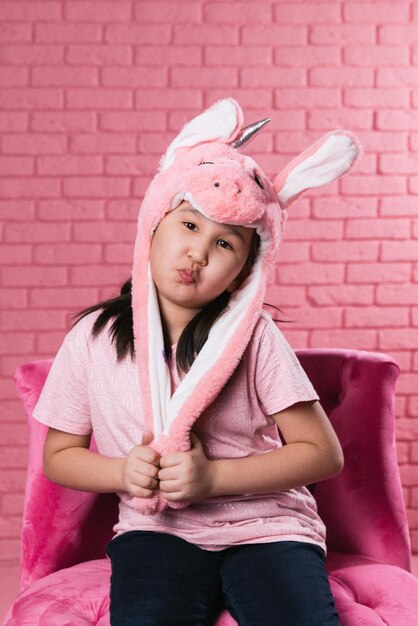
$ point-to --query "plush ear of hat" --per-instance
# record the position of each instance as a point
(329, 158)
(202, 166)
(221, 122)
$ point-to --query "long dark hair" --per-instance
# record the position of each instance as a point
(193, 337)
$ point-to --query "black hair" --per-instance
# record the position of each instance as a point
(121, 331)
(194, 335)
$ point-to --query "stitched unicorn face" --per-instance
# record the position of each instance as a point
(224, 185)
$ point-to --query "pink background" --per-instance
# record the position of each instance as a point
(92, 92)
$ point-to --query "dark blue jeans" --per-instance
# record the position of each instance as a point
(162, 580)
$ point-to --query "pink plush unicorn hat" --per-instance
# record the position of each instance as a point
(204, 167)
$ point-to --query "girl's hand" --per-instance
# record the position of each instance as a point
(140, 472)
(186, 475)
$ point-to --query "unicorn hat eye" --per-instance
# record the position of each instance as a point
(258, 180)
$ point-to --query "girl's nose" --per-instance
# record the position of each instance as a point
(198, 254)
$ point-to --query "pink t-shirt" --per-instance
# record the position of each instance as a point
(87, 390)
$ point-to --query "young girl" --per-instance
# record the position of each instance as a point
(208, 429)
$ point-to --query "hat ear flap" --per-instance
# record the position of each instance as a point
(323, 162)
(221, 122)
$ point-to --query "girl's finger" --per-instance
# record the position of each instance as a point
(174, 497)
(145, 481)
(147, 469)
(169, 460)
(195, 441)
(169, 486)
(170, 473)
(147, 455)
(147, 437)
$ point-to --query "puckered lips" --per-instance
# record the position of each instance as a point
(187, 276)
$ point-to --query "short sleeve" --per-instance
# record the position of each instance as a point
(64, 400)
(280, 379)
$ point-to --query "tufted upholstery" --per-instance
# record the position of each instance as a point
(65, 577)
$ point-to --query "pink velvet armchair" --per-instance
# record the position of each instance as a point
(65, 575)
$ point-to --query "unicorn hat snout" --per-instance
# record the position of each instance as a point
(225, 186)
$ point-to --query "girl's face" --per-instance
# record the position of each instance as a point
(194, 259)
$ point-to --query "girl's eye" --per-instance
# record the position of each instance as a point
(190, 225)
(224, 244)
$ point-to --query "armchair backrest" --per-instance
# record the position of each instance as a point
(61, 527)
(363, 507)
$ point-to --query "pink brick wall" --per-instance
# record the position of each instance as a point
(91, 94)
